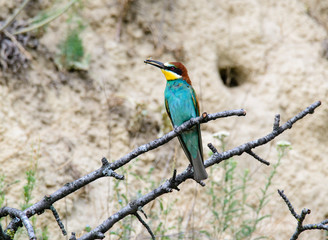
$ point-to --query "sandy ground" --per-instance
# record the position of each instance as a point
(69, 121)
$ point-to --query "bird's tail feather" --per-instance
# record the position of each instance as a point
(199, 169)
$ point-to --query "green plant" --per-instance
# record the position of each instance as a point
(72, 56)
(87, 228)
(122, 193)
(121, 198)
(282, 149)
(39, 21)
(44, 234)
(231, 213)
(16, 35)
(2, 189)
(30, 177)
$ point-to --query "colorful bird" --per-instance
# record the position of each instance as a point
(181, 104)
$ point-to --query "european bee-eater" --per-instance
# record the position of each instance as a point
(181, 104)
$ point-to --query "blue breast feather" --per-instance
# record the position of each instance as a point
(179, 98)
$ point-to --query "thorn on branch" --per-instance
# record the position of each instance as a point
(99, 235)
(305, 211)
(58, 220)
(276, 122)
(173, 184)
(110, 173)
(143, 212)
(212, 148)
(104, 162)
(250, 152)
(204, 115)
(47, 198)
(72, 237)
(145, 225)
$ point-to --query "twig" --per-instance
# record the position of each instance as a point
(145, 225)
(300, 218)
(132, 207)
(12, 17)
(276, 122)
(253, 154)
(263, 140)
(107, 167)
(72, 237)
(173, 184)
(47, 20)
(60, 223)
(15, 213)
(18, 45)
(169, 136)
(290, 206)
(212, 148)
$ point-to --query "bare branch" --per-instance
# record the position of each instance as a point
(216, 158)
(300, 218)
(107, 169)
(290, 206)
(60, 223)
(166, 187)
(15, 213)
(212, 148)
(145, 225)
(72, 237)
(276, 122)
(169, 136)
(253, 154)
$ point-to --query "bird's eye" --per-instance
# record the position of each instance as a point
(172, 68)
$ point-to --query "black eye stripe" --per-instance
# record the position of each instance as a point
(174, 69)
(178, 71)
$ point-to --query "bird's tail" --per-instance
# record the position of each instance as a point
(199, 169)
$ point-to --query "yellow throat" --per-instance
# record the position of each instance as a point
(170, 75)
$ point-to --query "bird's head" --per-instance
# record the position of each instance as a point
(171, 70)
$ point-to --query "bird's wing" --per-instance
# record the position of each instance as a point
(183, 144)
(168, 111)
(196, 105)
(195, 101)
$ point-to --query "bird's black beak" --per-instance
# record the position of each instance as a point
(155, 63)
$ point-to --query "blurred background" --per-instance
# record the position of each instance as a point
(74, 89)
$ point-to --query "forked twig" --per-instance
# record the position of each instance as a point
(300, 218)
(107, 169)
(134, 206)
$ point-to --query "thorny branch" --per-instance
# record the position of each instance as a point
(216, 158)
(300, 218)
(21, 216)
(107, 169)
